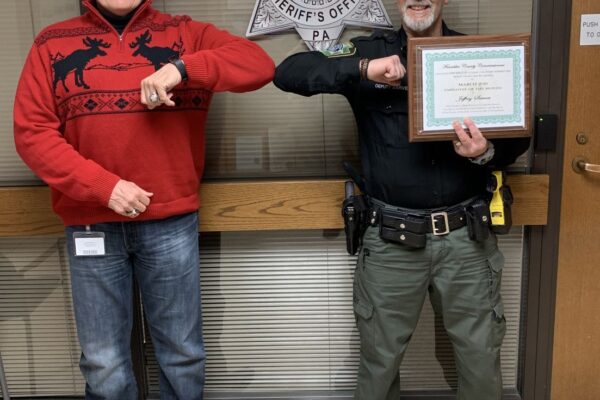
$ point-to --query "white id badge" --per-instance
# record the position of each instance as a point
(89, 244)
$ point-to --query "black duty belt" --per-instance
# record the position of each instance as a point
(410, 226)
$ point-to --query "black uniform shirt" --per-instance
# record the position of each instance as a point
(414, 175)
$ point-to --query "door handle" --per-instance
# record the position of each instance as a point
(580, 165)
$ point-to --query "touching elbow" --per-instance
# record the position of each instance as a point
(268, 72)
(283, 79)
(279, 79)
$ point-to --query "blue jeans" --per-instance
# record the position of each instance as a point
(163, 256)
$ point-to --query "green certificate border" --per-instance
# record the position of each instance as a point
(430, 59)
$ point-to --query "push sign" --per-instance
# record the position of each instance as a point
(590, 30)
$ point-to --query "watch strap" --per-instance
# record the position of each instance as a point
(485, 157)
(180, 65)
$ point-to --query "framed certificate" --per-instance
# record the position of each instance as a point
(486, 78)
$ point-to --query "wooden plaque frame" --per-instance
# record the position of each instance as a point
(415, 84)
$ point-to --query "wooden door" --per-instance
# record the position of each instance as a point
(576, 355)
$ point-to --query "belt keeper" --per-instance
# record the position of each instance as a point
(414, 240)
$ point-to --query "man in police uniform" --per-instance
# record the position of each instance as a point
(420, 197)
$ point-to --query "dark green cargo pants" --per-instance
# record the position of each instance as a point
(463, 279)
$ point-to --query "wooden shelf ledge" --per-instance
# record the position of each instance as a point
(254, 206)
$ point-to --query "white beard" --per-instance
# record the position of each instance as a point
(418, 25)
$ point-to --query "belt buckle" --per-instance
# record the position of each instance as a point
(435, 218)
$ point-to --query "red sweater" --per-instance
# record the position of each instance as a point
(80, 126)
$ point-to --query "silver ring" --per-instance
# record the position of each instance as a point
(154, 97)
(133, 212)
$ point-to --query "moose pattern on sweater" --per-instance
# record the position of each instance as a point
(79, 60)
(158, 56)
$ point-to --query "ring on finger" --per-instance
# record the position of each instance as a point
(133, 213)
(154, 97)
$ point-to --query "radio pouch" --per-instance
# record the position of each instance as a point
(478, 220)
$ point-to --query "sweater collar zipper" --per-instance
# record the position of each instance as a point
(121, 35)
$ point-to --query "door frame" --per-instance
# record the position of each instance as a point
(552, 31)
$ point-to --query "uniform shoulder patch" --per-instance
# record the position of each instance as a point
(340, 50)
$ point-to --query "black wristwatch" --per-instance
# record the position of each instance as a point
(180, 65)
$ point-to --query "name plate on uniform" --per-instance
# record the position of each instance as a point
(486, 78)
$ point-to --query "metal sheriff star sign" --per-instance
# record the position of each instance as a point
(319, 22)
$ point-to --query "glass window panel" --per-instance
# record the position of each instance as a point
(277, 311)
(38, 339)
(267, 133)
(293, 136)
(274, 304)
(262, 134)
(20, 21)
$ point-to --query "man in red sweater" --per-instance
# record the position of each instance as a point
(110, 113)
